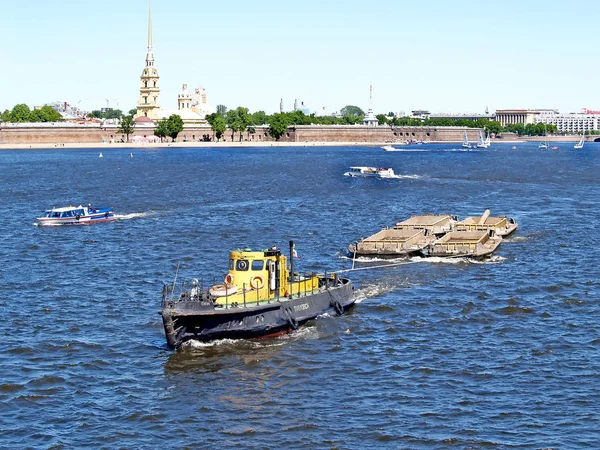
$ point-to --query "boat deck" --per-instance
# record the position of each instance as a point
(501, 226)
(393, 242)
(436, 224)
(465, 243)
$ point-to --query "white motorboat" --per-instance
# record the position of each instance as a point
(76, 215)
(370, 172)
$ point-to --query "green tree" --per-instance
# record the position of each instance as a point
(175, 124)
(46, 114)
(259, 118)
(162, 129)
(278, 125)
(218, 126)
(352, 110)
(5, 116)
(133, 112)
(221, 110)
(243, 119)
(518, 128)
(96, 114)
(383, 120)
(113, 114)
(494, 127)
(231, 119)
(126, 126)
(20, 113)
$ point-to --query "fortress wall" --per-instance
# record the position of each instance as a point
(57, 134)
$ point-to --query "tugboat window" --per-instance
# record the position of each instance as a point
(258, 265)
(242, 264)
(231, 262)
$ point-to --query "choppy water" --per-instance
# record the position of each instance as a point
(435, 355)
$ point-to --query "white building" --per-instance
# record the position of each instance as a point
(576, 123)
(192, 108)
(370, 120)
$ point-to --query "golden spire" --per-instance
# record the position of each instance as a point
(149, 24)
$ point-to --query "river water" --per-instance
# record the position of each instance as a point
(436, 354)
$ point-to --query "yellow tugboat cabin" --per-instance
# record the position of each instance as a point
(260, 276)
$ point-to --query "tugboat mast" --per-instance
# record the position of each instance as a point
(291, 265)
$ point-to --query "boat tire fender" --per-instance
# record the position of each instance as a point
(257, 282)
(228, 279)
(289, 314)
(338, 307)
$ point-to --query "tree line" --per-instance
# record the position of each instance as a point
(240, 120)
(22, 114)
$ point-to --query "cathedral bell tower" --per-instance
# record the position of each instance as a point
(148, 104)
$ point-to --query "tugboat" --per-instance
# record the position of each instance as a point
(259, 297)
(76, 215)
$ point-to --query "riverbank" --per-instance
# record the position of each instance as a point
(226, 144)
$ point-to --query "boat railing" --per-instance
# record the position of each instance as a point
(300, 285)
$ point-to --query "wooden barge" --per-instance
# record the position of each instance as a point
(476, 244)
(409, 237)
(501, 226)
(437, 235)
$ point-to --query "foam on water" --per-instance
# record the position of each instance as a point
(131, 216)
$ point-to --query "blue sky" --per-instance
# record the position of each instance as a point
(438, 55)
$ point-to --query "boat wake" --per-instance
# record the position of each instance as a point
(130, 216)
(372, 290)
(410, 177)
(495, 259)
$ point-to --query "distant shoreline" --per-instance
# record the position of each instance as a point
(226, 144)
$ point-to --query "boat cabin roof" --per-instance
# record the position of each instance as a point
(247, 253)
(362, 168)
(65, 208)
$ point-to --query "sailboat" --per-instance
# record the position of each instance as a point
(466, 142)
(488, 141)
(480, 142)
(580, 143)
(544, 145)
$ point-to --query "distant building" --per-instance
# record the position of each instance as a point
(421, 114)
(474, 116)
(587, 120)
(515, 116)
(302, 107)
(570, 123)
(370, 120)
(192, 108)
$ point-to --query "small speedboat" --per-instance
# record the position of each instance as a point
(76, 215)
(388, 148)
(370, 172)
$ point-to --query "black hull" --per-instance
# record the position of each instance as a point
(195, 320)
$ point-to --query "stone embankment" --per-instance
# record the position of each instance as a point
(61, 134)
